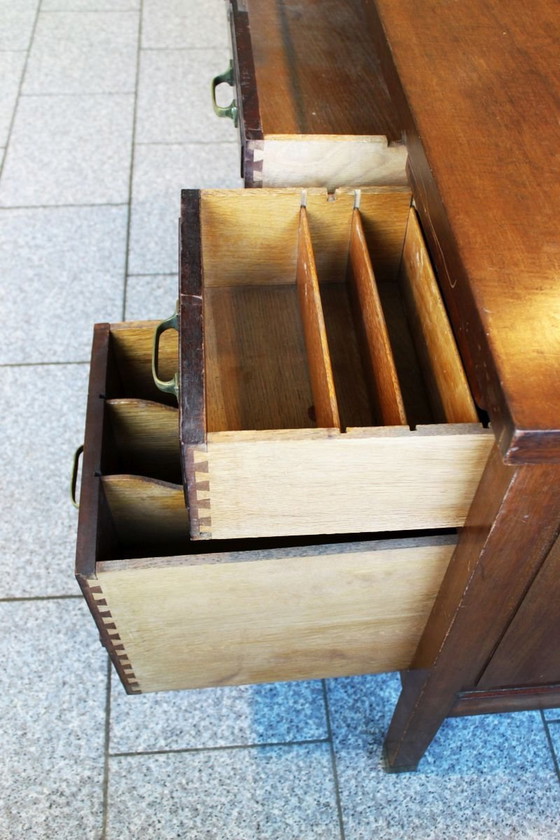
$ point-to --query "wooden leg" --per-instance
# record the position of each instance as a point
(509, 531)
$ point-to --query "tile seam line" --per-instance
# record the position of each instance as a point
(59, 206)
(128, 234)
(221, 748)
(133, 274)
(184, 49)
(23, 599)
(90, 11)
(186, 143)
(334, 766)
(20, 87)
(40, 364)
(106, 754)
(83, 93)
(548, 737)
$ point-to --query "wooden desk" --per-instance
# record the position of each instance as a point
(477, 89)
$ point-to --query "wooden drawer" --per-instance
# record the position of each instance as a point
(321, 389)
(311, 103)
(176, 614)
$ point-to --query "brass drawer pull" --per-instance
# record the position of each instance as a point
(169, 386)
(74, 479)
(231, 110)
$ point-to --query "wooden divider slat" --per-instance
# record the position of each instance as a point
(448, 390)
(146, 510)
(377, 352)
(318, 356)
(147, 435)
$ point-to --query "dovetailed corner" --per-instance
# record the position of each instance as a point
(113, 642)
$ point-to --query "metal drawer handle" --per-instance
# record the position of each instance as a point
(170, 386)
(231, 110)
(74, 479)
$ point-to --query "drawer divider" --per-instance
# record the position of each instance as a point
(318, 355)
(146, 512)
(377, 354)
(442, 369)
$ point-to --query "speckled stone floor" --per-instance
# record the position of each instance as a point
(104, 115)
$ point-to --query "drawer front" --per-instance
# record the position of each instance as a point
(312, 107)
(321, 388)
(175, 614)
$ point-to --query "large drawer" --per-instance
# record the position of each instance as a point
(320, 386)
(175, 614)
(309, 96)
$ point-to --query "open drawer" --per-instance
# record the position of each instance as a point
(176, 614)
(309, 96)
(320, 386)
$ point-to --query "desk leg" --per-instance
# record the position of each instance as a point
(509, 530)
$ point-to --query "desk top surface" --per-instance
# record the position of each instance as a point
(481, 85)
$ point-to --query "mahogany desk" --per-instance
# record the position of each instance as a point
(477, 89)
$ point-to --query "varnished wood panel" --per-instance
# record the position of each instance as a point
(315, 70)
(508, 533)
(481, 84)
(529, 654)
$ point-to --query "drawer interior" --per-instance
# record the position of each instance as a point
(323, 314)
(178, 614)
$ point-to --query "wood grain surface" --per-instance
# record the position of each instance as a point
(441, 365)
(325, 406)
(262, 616)
(479, 89)
(509, 532)
(319, 481)
(315, 69)
(376, 347)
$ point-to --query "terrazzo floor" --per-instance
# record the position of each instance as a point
(104, 115)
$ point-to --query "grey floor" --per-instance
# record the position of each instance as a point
(104, 116)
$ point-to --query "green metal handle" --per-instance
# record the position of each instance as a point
(231, 110)
(170, 386)
(74, 479)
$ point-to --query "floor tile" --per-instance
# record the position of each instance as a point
(52, 759)
(174, 97)
(43, 408)
(69, 150)
(184, 23)
(269, 793)
(483, 777)
(554, 730)
(552, 714)
(150, 296)
(160, 172)
(11, 67)
(18, 18)
(216, 717)
(83, 52)
(62, 270)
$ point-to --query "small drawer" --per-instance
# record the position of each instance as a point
(320, 386)
(309, 97)
(176, 614)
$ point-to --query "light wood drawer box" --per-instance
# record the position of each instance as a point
(311, 103)
(175, 614)
(320, 387)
